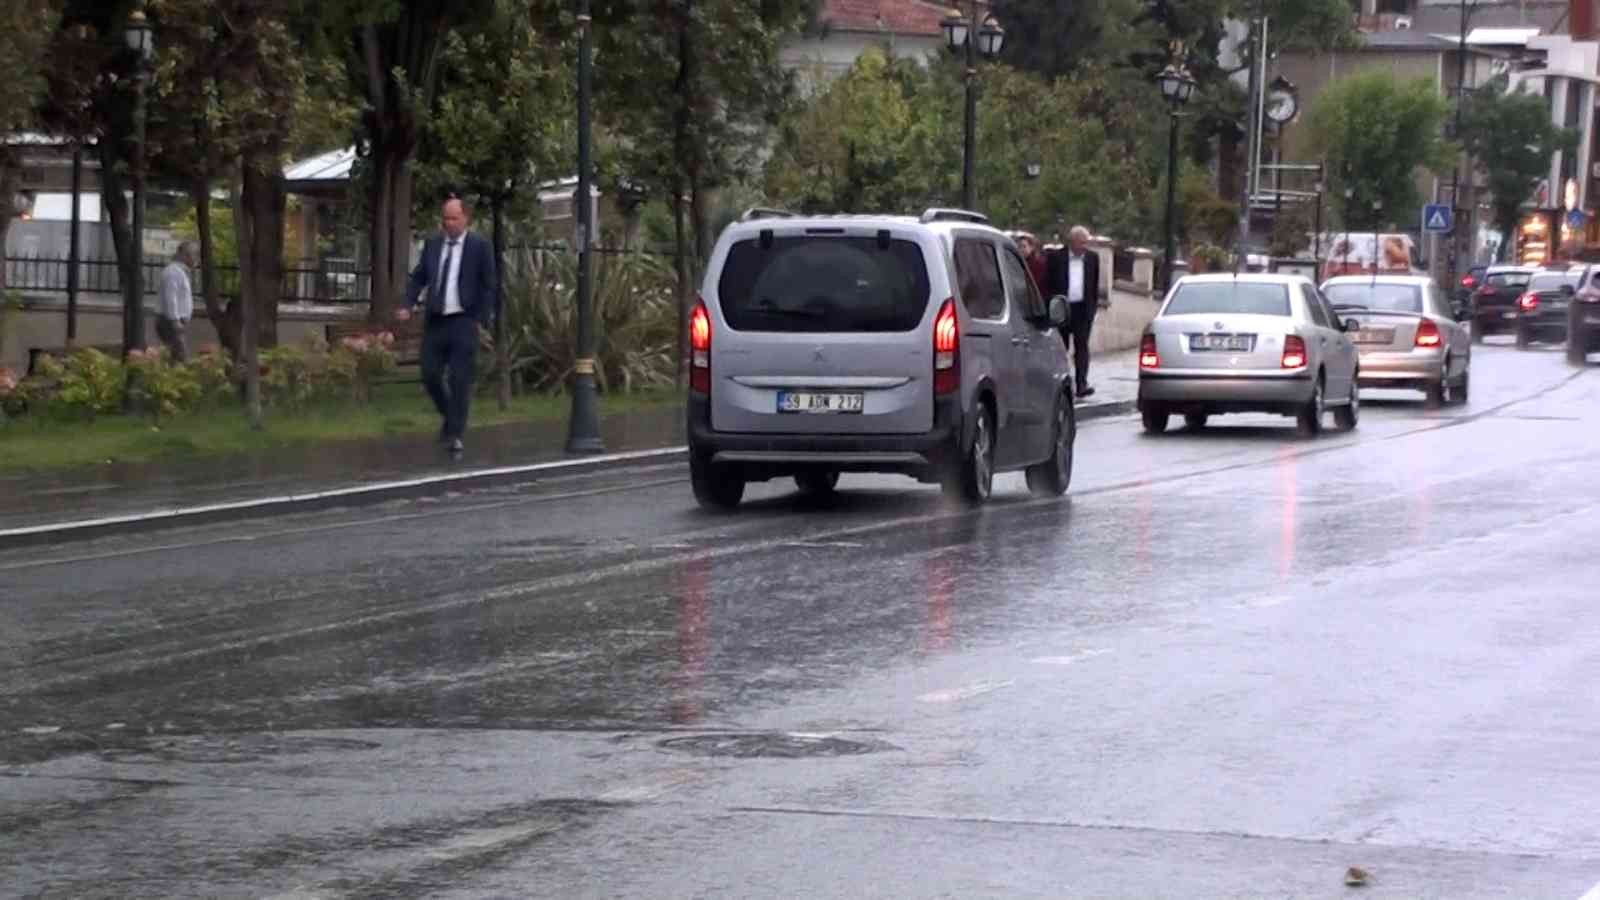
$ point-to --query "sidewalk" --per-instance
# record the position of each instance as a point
(365, 471)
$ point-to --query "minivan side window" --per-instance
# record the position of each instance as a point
(978, 279)
(1025, 299)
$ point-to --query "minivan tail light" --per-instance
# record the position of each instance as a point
(700, 348)
(1294, 352)
(946, 349)
(1148, 357)
(1427, 334)
(1528, 301)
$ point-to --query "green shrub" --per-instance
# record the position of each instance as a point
(159, 386)
(87, 383)
(292, 377)
(373, 356)
(635, 309)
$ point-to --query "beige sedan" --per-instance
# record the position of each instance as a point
(1406, 333)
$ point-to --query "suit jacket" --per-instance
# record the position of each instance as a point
(475, 281)
(1057, 271)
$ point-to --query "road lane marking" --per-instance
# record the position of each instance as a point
(1069, 658)
(954, 695)
(1592, 894)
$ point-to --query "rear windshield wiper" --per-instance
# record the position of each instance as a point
(769, 308)
(1344, 306)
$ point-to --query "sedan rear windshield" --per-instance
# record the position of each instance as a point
(1506, 279)
(1385, 297)
(816, 283)
(1552, 281)
(1217, 297)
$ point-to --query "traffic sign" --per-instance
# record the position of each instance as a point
(1437, 218)
(1575, 219)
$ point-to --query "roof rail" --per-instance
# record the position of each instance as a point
(938, 214)
(765, 212)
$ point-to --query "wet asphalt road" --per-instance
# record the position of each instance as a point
(1230, 664)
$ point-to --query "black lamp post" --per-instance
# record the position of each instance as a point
(1177, 86)
(959, 31)
(140, 41)
(583, 432)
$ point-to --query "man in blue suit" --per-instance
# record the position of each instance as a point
(457, 268)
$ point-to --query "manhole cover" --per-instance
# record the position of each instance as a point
(231, 748)
(779, 745)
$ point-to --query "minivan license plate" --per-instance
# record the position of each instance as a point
(819, 402)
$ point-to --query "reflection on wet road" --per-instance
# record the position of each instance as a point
(1231, 663)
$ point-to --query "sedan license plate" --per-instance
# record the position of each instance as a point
(819, 402)
(1234, 343)
(1375, 336)
(1508, 315)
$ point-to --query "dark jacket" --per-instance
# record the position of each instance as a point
(475, 282)
(1057, 271)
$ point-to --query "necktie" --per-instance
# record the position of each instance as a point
(443, 275)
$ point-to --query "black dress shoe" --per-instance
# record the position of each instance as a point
(1085, 391)
(456, 447)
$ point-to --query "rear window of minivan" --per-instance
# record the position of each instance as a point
(1221, 297)
(817, 283)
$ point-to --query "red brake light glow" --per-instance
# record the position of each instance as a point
(946, 349)
(1294, 352)
(1427, 334)
(1528, 301)
(1148, 357)
(700, 348)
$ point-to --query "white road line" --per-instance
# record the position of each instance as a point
(1593, 893)
(180, 512)
(964, 693)
(1069, 658)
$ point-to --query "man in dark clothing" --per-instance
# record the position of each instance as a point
(1074, 273)
(457, 268)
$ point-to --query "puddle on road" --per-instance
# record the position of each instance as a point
(243, 748)
(773, 745)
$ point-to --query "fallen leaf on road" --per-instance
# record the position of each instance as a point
(1355, 876)
(41, 729)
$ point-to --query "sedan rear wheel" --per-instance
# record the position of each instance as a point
(1195, 421)
(1310, 418)
(1347, 417)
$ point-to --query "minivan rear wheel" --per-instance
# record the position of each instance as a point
(717, 487)
(1154, 419)
(819, 482)
(1052, 477)
(973, 480)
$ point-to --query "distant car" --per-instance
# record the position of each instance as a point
(1542, 307)
(1247, 343)
(1408, 337)
(873, 343)
(1494, 303)
(1469, 283)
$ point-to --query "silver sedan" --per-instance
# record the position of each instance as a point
(1407, 334)
(1247, 343)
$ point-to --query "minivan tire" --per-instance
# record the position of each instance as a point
(718, 488)
(817, 482)
(973, 479)
(1052, 477)
(1154, 419)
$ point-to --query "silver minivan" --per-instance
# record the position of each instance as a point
(912, 345)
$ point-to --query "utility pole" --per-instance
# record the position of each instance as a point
(1258, 64)
(1451, 260)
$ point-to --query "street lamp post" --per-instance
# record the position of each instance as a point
(1177, 86)
(583, 433)
(142, 43)
(958, 33)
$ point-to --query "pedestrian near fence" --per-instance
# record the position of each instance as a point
(175, 302)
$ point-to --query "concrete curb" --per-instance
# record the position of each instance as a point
(367, 494)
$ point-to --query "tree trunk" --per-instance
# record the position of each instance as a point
(502, 353)
(249, 330)
(389, 229)
(262, 202)
(113, 194)
(224, 319)
(680, 262)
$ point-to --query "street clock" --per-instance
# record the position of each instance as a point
(1283, 100)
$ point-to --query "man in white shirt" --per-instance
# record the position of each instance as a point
(1075, 274)
(175, 304)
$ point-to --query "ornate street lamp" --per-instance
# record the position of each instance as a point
(1177, 86)
(958, 32)
(142, 42)
(583, 428)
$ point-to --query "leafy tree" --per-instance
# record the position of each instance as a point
(25, 31)
(1508, 134)
(503, 121)
(1375, 132)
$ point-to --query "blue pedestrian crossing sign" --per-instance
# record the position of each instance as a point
(1438, 218)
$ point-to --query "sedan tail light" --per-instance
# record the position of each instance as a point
(1528, 302)
(1148, 357)
(1427, 334)
(1294, 352)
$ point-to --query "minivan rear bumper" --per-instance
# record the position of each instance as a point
(774, 455)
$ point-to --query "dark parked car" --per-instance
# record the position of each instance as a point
(1494, 303)
(1469, 283)
(1583, 320)
(1542, 308)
